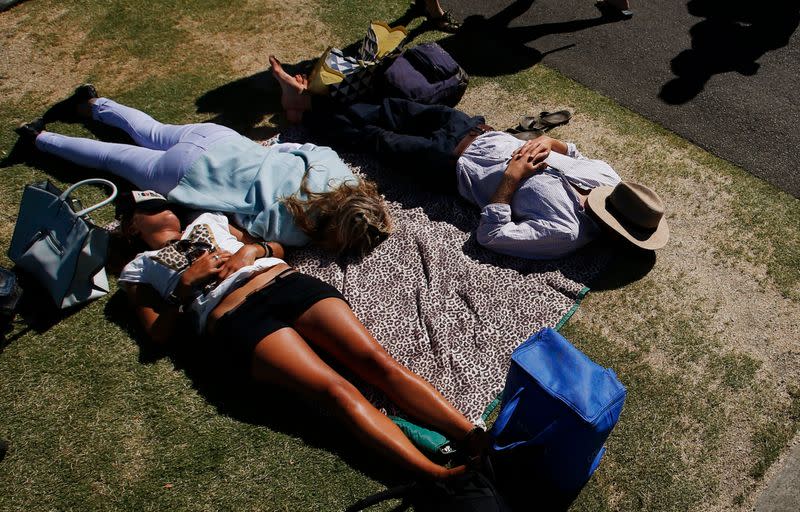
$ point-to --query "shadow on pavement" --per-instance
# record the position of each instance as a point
(732, 37)
(490, 47)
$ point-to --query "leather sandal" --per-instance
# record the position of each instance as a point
(445, 23)
(528, 135)
(544, 121)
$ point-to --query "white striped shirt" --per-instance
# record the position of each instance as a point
(545, 219)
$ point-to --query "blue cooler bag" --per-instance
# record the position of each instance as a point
(558, 409)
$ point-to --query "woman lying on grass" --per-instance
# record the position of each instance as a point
(251, 303)
(291, 193)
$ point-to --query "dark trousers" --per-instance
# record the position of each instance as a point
(420, 139)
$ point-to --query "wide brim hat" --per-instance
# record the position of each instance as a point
(634, 211)
(140, 200)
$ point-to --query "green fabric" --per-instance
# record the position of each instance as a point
(573, 309)
(424, 439)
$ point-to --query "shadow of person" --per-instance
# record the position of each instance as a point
(490, 47)
(586, 265)
(732, 37)
(625, 264)
(245, 102)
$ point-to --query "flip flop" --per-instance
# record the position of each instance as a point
(545, 121)
(529, 135)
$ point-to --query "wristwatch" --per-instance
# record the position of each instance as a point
(267, 249)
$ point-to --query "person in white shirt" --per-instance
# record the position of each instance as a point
(534, 195)
(252, 304)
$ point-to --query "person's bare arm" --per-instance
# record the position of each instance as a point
(548, 143)
(159, 317)
(525, 161)
(248, 253)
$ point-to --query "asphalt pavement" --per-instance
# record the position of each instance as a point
(721, 73)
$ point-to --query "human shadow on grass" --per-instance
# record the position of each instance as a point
(245, 102)
(483, 46)
(625, 264)
(223, 381)
(604, 264)
(733, 35)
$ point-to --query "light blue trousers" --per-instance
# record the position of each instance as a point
(163, 155)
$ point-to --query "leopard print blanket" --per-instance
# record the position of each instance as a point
(441, 304)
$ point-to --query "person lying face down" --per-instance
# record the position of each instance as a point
(291, 193)
(539, 199)
(276, 321)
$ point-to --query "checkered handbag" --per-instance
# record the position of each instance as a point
(349, 79)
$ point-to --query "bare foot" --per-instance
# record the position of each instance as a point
(294, 91)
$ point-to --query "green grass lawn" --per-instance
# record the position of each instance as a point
(706, 341)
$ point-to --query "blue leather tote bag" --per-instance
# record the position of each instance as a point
(63, 250)
(558, 409)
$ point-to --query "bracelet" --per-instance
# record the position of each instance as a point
(267, 249)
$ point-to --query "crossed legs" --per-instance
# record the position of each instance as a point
(285, 357)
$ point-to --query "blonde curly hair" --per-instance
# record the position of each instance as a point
(351, 218)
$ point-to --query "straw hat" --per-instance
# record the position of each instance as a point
(632, 210)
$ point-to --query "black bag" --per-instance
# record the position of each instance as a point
(471, 492)
(426, 74)
(10, 293)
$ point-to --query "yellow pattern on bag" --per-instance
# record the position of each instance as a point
(333, 66)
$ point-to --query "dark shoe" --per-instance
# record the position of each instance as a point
(445, 23)
(29, 131)
(611, 12)
(69, 110)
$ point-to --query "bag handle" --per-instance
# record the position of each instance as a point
(502, 422)
(98, 181)
(503, 418)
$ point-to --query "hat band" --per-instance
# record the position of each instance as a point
(637, 231)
